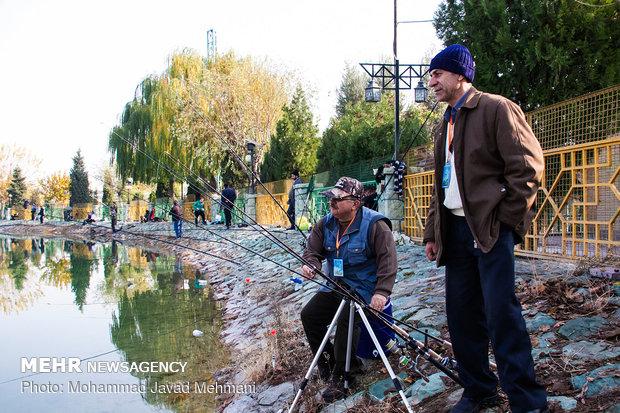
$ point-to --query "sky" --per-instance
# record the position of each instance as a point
(70, 66)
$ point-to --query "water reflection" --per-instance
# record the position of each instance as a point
(148, 303)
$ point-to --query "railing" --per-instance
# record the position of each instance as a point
(578, 203)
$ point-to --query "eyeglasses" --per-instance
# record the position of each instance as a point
(348, 198)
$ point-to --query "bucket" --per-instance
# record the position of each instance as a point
(365, 347)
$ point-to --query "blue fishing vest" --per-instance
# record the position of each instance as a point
(358, 258)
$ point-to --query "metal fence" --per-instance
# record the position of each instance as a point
(578, 202)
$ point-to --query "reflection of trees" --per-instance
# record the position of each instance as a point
(57, 271)
(157, 325)
(81, 266)
(16, 292)
(18, 266)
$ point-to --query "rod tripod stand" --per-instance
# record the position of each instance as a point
(353, 306)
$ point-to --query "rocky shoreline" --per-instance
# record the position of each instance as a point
(573, 317)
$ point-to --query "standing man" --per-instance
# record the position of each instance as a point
(359, 249)
(113, 216)
(41, 214)
(33, 211)
(291, 198)
(177, 219)
(488, 166)
(228, 200)
(199, 210)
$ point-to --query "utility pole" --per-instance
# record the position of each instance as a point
(211, 45)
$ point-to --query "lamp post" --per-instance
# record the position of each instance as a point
(395, 77)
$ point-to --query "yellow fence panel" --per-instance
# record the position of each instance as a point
(269, 213)
(578, 203)
(418, 189)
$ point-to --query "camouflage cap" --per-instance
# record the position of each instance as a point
(351, 186)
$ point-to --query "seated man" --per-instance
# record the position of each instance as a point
(90, 219)
(359, 249)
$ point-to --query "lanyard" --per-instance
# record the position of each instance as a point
(338, 238)
(450, 136)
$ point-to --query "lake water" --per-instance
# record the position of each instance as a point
(103, 328)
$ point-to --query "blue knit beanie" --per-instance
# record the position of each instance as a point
(456, 59)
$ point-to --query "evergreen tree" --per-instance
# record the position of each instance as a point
(536, 52)
(366, 130)
(295, 142)
(108, 190)
(17, 189)
(78, 188)
(351, 90)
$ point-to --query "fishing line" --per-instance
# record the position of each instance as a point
(225, 239)
(407, 149)
(239, 160)
(333, 286)
(338, 289)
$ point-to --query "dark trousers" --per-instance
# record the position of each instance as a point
(316, 316)
(481, 304)
(228, 216)
(291, 215)
(113, 224)
(199, 214)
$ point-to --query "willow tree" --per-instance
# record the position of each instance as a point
(244, 101)
(194, 115)
(221, 106)
(130, 143)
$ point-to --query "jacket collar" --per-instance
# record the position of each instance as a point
(473, 97)
(452, 111)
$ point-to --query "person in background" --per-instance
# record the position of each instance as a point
(41, 213)
(33, 211)
(228, 199)
(291, 198)
(488, 166)
(177, 219)
(113, 216)
(369, 200)
(199, 210)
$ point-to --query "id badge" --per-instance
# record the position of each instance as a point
(338, 268)
(445, 180)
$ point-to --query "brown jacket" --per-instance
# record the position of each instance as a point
(499, 165)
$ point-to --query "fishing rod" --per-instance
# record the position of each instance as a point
(227, 240)
(214, 190)
(200, 179)
(341, 290)
(240, 161)
(266, 232)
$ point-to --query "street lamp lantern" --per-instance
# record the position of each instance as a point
(421, 93)
(373, 91)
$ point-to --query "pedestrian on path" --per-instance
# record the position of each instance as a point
(291, 198)
(41, 213)
(113, 216)
(177, 219)
(228, 200)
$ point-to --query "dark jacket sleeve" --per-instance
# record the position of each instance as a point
(382, 241)
(313, 253)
